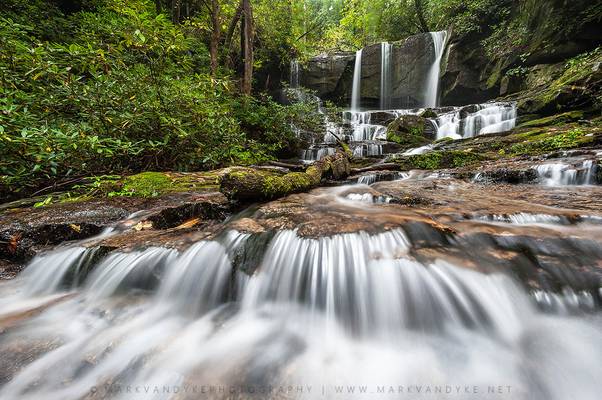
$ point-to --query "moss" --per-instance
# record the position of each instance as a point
(576, 84)
(428, 113)
(254, 184)
(276, 186)
(554, 119)
(544, 143)
(429, 160)
(151, 184)
(407, 139)
(444, 140)
(441, 159)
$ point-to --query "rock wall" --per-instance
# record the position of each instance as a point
(556, 33)
(331, 75)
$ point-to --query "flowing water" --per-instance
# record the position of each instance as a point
(348, 315)
(432, 83)
(488, 118)
(294, 74)
(356, 89)
(385, 75)
(563, 173)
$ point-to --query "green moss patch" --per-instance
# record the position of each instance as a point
(570, 116)
(441, 159)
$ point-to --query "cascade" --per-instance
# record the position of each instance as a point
(338, 305)
(356, 89)
(432, 82)
(294, 74)
(385, 75)
(489, 118)
(562, 174)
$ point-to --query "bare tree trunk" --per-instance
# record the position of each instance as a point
(215, 36)
(420, 14)
(247, 76)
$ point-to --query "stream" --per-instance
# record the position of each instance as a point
(393, 285)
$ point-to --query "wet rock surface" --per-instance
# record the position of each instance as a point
(25, 231)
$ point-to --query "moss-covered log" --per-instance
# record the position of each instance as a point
(249, 184)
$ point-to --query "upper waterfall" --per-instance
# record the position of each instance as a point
(432, 83)
(294, 74)
(385, 75)
(357, 80)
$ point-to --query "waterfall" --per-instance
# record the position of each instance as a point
(357, 307)
(294, 74)
(562, 174)
(432, 83)
(356, 89)
(385, 75)
(488, 118)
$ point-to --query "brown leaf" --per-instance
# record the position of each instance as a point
(143, 225)
(189, 224)
(13, 243)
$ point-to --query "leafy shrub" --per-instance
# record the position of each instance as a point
(124, 90)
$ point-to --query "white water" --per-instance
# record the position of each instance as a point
(432, 82)
(385, 75)
(314, 154)
(352, 309)
(489, 118)
(563, 174)
(294, 74)
(368, 150)
(356, 88)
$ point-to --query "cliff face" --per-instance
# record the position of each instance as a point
(543, 57)
(331, 75)
(536, 50)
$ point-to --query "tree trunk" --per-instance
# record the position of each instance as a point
(231, 28)
(247, 29)
(215, 36)
(176, 8)
(420, 14)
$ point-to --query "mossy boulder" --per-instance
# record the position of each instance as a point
(409, 131)
(569, 116)
(576, 84)
(428, 113)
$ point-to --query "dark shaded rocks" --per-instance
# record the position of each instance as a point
(466, 75)
(26, 231)
(329, 75)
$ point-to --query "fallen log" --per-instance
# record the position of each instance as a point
(251, 184)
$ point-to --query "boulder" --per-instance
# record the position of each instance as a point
(410, 131)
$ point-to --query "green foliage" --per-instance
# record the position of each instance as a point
(123, 90)
(544, 143)
(442, 159)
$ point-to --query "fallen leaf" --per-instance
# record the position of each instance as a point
(189, 224)
(14, 242)
(143, 225)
